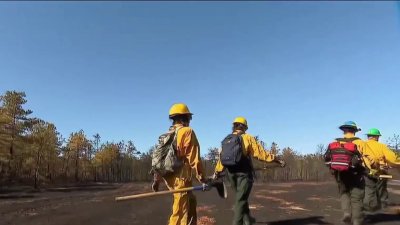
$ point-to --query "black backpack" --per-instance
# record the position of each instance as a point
(232, 151)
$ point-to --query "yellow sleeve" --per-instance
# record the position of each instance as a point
(219, 167)
(390, 156)
(189, 148)
(255, 149)
(368, 158)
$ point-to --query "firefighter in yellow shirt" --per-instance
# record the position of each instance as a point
(188, 149)
(380, 156)
(351, 183)
(241, 176)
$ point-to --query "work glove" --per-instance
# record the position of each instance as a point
(207, 184)
(216, 175)
(281, 162)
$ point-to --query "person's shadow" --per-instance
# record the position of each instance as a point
(314, 220)
(382, 217)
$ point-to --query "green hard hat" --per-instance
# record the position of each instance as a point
(374, 132)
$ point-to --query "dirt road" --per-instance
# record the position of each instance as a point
(273, 204)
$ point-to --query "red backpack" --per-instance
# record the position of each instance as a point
(341, 154)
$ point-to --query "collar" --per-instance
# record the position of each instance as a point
(349, 135)
(177, 126)
(240, 132)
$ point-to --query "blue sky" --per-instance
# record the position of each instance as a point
(294, 70)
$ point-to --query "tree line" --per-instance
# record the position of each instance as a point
(33, 152)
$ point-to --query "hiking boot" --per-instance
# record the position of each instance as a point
(346, 218)
(251, 220)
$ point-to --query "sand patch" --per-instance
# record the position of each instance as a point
(315, 199)
(293, 207)
(205, 208)
(272, 192)
(274, 199)
(394, 191)
(255, 206)
(289, 207)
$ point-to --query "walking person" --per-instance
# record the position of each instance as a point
(380, 156)
(187, 149)
(237, 150)
(344, 157)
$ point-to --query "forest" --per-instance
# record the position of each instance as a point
(33, 152)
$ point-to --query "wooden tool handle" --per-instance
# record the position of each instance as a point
(151, 194)
(386, 176)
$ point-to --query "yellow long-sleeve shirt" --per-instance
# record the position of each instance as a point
(250, 147)
(366, 161)
(379, 153)
(360, 143)
(188, 149)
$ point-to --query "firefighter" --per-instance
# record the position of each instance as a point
(350, 181)
(376, 194)
(241, 174)
(188, 150)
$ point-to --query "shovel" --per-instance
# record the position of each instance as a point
(219, 185)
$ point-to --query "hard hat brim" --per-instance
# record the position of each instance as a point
(375, 135)
(349, 127)
(177, 114)
(240, 123)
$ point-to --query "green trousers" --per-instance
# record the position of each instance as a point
(351, 190)
(376, 194)
(371, 200)
(383, 193)
(241, 184)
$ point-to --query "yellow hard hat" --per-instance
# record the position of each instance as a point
(179, 109)
(241, 120)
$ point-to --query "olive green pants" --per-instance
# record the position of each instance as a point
(351, 190)
(376, 194)
(371, 200)
(241, 184)
(383, 193)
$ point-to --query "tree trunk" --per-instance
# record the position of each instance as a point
(77, 165)
(38, 159)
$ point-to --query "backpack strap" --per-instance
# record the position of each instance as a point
(248, 158)
(175, 146)
(175, 137)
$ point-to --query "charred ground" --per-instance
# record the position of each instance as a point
(274, 204)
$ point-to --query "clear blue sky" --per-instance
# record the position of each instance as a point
(294, 70)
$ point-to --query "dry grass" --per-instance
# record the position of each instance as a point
(272, 192)
(205, 208)
(205, 220)
(256, 206)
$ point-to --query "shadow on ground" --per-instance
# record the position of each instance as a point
(314, 220)
(382, 218)
(64, 188)
(84, 188)
(16, 196)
